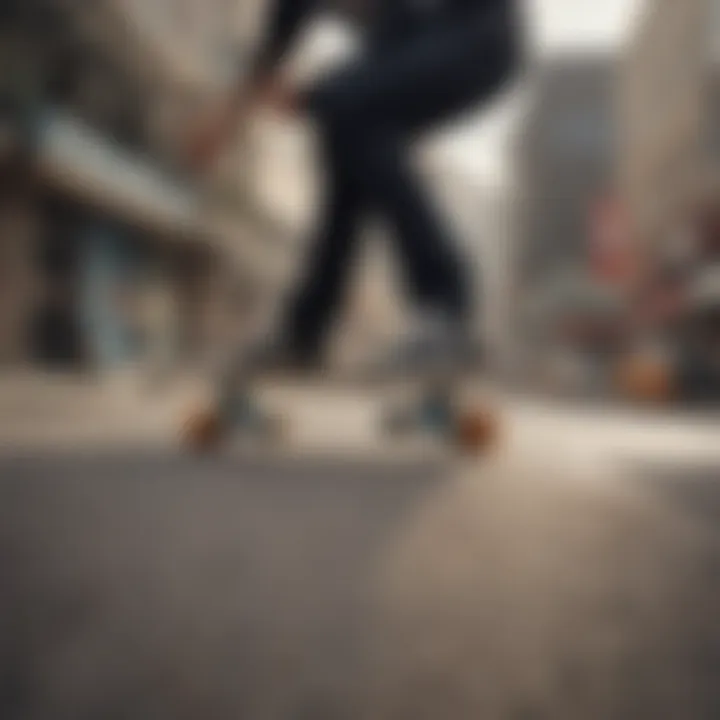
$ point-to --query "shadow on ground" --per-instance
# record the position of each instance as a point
(154, 587)
(151, 587)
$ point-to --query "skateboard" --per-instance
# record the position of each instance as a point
(434, 405)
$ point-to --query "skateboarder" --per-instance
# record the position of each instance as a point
(424, 62)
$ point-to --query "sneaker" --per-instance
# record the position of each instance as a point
(275, 356)
(433, 346)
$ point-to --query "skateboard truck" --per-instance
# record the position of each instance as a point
(435, 410)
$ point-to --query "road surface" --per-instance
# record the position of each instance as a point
(146, 585)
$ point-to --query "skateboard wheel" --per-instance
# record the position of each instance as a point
(645, 380)
(476, 431)
(203, 431)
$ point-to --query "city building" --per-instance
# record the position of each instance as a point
(667, 108)
(565, 160)
(101, 226)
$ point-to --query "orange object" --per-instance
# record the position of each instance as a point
(646, 380)
(477, 431)
(203, 431)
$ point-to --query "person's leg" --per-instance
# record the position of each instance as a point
(373, 109)
(315, 302)
(433, 269)
(298, 342)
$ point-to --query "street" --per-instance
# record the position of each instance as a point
(186, 184)
(529, 585)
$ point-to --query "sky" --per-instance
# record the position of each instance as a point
(558, 24)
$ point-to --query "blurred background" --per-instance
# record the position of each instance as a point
(573, 575)
(586, 194)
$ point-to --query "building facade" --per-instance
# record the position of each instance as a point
(99, 215)
(665, 110)
(565, 160)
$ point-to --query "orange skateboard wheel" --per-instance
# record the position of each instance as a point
(203, 431)
(477, 430)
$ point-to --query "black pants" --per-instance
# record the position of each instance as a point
(368, 115)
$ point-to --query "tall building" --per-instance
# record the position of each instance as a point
(666, 113)
(564, 158)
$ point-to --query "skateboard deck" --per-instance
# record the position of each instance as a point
(435, 403)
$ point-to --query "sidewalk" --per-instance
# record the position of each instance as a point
(38, 411)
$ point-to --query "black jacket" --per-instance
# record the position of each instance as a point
(391, 20)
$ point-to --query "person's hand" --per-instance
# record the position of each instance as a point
(277, 95)
(211, 134)
(221, 123)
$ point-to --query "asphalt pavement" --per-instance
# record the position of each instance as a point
(149, 585)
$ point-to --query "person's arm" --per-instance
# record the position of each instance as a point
(285, 21)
